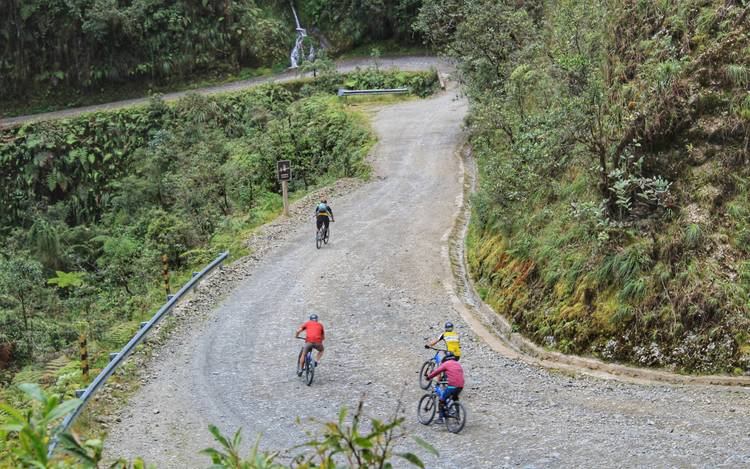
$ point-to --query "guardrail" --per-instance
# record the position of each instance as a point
(344, 92)
(118, 358)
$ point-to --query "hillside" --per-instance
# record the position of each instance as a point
(56, 53)
(612, 140)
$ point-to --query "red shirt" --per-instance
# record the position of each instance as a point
(315, 332)
(453, 372)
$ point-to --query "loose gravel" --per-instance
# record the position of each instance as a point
(379, 287)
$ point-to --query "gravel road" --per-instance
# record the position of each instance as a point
(410, 63)
(380, 289)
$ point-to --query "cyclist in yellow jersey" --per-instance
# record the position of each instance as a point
(452, 342)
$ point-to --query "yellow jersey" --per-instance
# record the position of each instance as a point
(452, 342)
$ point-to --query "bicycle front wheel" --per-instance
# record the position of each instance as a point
(455, 417)
(309, 371)
(426, 409)
(426, 369)
(328, 233)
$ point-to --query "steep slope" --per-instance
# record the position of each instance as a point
(613, 144)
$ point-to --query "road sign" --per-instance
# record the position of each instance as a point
(284, 168)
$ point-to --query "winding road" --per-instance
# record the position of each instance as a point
(382, 286)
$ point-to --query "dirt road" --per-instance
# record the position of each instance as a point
(402, 63)
(380, 289)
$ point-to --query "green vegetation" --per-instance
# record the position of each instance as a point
(25, 436)
(612, 140)
(56, 54)
(91, 204)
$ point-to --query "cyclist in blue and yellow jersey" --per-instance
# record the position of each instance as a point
(452, 342)
(323, 214)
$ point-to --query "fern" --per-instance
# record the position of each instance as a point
(121, 333)
(54, 367)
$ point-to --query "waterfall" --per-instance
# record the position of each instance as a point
(298, 52)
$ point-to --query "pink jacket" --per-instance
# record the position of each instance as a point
(453, 372)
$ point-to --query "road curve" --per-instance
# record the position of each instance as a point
(379, 287)
(411, 63)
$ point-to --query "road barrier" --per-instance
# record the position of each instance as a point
(343, 92)
(117, 358)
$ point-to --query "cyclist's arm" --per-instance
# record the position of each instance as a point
(322, 333)
(330, 212)
(301, 328)
(437, 371)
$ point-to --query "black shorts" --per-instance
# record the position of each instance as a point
(322, 221)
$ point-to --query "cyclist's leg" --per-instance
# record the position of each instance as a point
(441, 393)
(305, 349)
(319, 347)
(318, 223)
(326, 221)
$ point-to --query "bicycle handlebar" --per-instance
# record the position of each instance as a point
(438, 349)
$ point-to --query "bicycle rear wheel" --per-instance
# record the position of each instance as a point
(426, 369)
(426, 408)
(455, 417)
(328, 233)
(318, 239)
(309, 370)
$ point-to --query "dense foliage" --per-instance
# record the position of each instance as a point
(91, 204)
(612, 139)
(63, 46)
(82, 43)
(348, 23)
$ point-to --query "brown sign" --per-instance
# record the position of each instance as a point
(284, 168)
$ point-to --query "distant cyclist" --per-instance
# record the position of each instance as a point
(323, 214)
(452, 342)
(314, 337)
(454, 374)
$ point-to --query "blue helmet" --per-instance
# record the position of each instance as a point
(449, 326)
(313, 317)
(449, 356)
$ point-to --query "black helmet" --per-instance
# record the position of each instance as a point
(449, 356)
(449, 326)
(313, 317)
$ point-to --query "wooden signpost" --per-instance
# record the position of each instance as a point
(284, 168)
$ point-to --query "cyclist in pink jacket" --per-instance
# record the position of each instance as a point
(454, 374)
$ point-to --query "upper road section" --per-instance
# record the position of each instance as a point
(402, 63)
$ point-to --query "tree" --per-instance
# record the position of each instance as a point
(22, 281)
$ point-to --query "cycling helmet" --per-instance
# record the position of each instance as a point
(313, 317)
(448, 326)
(449, 356)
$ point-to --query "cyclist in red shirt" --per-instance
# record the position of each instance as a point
(313, 340)
(454, 375)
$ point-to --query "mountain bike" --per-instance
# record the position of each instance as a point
(430, 365)
(322, 235)
(455, 412)
(308, 369)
